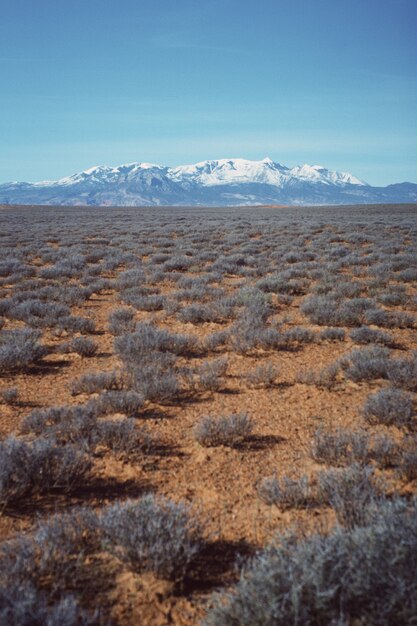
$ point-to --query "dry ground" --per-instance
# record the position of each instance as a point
(244, 246)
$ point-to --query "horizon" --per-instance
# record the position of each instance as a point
(95, 83)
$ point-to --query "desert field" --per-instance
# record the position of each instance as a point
(208, 416)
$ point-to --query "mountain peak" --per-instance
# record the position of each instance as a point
(227, 181)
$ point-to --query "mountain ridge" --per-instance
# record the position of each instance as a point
(229, 182)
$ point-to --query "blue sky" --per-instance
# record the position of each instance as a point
(90, 82)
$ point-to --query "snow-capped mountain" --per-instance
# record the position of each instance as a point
(228, 182)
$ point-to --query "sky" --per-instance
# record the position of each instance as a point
(92, 82)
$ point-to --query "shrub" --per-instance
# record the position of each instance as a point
(364, 335)
(122, 321)
(211, 372)
(37, 313)
(320, 310)
(56, 554)
(177, 262)
(81, 345)
(24, 605)
(153, 534)
(147, 338)
(226, 431)
(325, 377)
(403, 372)
(285, 492)
(148, 303)
(122, 436)
(66, 423)
(264, 374)
(19, 349)
(96, 382)
(10, 395)
(333, 334)
(407, 459)
(393, 298)
(328, 310)
(38, 468)
(341, 447)
(128, 402)
(199, 314)
(390, 319)
(155, 377)
(300, 335)
(384, 450)
(356, 575)
(366, 364)
(215, 340)
(389, 407)
(76, 324)
(349, 491)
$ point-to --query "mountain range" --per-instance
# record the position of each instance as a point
(222, 182)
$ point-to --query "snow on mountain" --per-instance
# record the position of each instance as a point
(213, 182)
(318, 173)
(210, 173)
(231, 171)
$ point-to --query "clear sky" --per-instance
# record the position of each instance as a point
(88, 82)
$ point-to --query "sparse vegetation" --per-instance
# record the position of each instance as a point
(134, 345)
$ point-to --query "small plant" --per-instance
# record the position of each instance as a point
(128, 402)
(349, 491)
(147, 339)
(80, 345)
(76, 324)
(153, 534)
(122, 321)
(299, 335)
(19, 349)
(389, 407)
(325, 378)
(215, 340)
(333, 334)
(223, 431)
(364, 335)
(366, 363)
(211, 373)
(122, 436)
(66, 424)
(155, 377)
(341, 447)
(38, 468)
(285, 492)
(407, 458)
(384, 451)
(24, 604)
(10, 395)
(199, 314)
(264, 374)
(96, 382)
(403, 372)
(152, 302)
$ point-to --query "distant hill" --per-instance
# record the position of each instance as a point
(223, 182)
